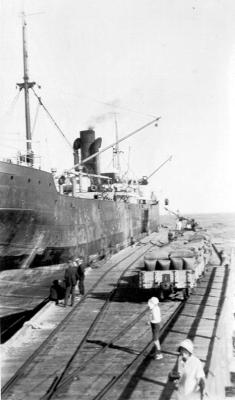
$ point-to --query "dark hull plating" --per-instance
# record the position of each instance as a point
(39, 226)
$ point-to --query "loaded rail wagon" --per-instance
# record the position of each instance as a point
(175, 268)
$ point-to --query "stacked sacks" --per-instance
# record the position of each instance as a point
(198, 250)
(179, 258)
(180, 253)
(189, 263)
(157, 259)
(188, 235)
(176, 246)
(150, 260)
(200, 236)
(163, 265)
(163, 261)
(176, 263)
(182, 259)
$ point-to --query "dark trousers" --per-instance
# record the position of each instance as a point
(155, 332)
(70, 290)
(81, 286)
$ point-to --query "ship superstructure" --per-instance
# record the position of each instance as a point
(46, 219)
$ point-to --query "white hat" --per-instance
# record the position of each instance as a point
(187, 344)
(153, 302)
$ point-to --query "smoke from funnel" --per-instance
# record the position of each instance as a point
(107, 116)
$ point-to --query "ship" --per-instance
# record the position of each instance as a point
(47, 219)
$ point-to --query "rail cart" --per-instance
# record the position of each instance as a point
(171, 281)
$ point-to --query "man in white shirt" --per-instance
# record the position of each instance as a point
(191, 382)
(155, 320)
(224, 259)
(178, 225)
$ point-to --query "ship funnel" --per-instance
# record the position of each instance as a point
(76, 147)
(94, 148)
(89, 146)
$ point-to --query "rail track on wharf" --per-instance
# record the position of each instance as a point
(101, 350)
(98, 295)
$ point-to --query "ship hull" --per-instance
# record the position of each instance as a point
(39, 226)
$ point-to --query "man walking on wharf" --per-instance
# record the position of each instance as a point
(155, 320)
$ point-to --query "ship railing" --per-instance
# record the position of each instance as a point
(24, 161)
(76, 183)
(70, 185)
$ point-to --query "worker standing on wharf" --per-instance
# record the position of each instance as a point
(191, 382)
(193, 225)
(179, 225)
(155, 320)
(57, 292)
(224, 259)
(170, 236)
(70, 282)
(80, 276)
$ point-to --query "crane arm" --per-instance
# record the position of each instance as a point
(115, 143)
(160, 166)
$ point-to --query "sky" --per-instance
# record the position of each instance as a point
(138, 60)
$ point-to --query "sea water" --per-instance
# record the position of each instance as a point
(221, 226)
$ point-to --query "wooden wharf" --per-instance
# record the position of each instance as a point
(85, 354)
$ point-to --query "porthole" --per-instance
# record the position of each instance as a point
(29, 180)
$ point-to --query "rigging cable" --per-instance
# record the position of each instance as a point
(35, 118)
(109, 104)
(9, 146)
(55, 123)
(11, 106)
(109, 165)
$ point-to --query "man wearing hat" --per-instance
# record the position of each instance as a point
(70, 282)
(155, 320)
(80, 274)
(224, 259)
(191, 382)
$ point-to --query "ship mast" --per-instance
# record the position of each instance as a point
(26, 85)
(116, 151)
